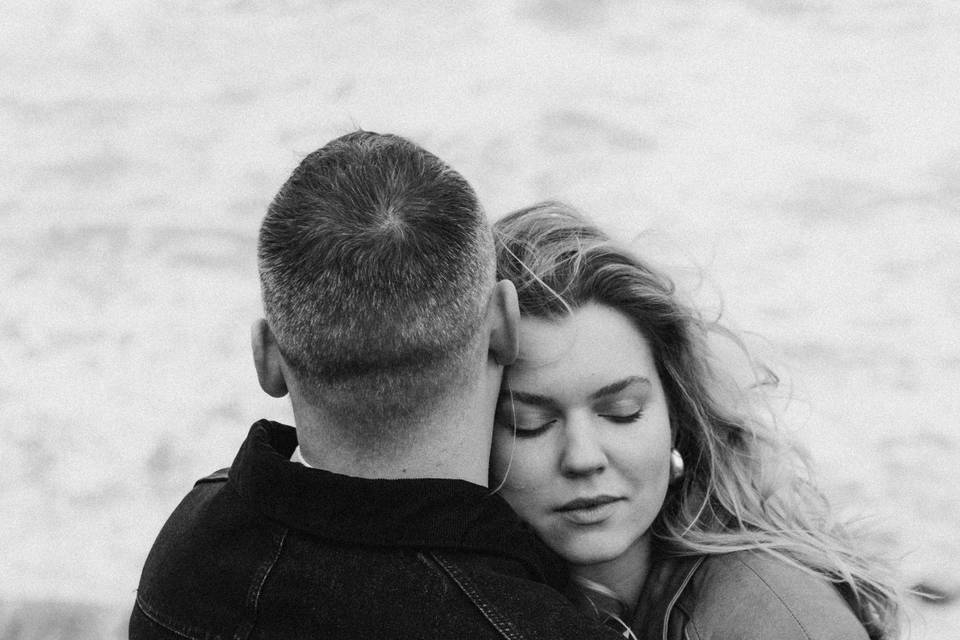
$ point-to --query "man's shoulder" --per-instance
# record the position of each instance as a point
(211, 550)
(753, 594)
(211, 505)
(211, 519)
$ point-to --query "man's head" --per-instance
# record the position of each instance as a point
(376, 267)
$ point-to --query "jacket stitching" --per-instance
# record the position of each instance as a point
(256, 587)
(691, 626)
(253, 602)
(163, 621)
(782, 601)
(499, 621)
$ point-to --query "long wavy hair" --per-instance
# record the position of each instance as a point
(745, 487)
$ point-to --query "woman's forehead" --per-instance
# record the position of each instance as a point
(594, 342)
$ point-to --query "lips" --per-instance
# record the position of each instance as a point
(586, 511)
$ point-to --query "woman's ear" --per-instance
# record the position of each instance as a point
(267, 359)
(503, 313)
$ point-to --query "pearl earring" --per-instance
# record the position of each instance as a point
(676, 466)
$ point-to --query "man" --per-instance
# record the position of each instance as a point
(385, 325)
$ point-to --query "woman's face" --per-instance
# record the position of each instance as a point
(589, 465)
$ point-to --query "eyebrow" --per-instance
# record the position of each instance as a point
(538, 400)
(529, 398)
(619, 386)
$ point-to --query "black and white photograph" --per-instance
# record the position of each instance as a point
(510, 319)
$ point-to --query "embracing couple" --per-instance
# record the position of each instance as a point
(516, 432)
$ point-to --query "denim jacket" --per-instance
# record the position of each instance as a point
(747, 595)
(273, 549)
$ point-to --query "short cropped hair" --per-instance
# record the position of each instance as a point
(376, 262)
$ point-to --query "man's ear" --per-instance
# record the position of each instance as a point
(267, 359)
(503, 312)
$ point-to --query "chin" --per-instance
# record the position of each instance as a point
(589, 550)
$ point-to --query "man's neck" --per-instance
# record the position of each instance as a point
(452, 442)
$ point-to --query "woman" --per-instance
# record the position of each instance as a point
(679, 511)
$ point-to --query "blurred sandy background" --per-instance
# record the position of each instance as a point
(795, 162)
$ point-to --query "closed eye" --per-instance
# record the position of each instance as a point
(622, 419)
(534, 432)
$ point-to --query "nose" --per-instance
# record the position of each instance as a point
(583, 453)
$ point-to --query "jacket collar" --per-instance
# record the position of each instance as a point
(662, 590)
(432, 513)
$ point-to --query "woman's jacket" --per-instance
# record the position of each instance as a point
(744, 595)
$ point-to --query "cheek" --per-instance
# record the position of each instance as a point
(646, 458)
(524, 479)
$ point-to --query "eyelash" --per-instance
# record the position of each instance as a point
(531, 433)
(633, 417)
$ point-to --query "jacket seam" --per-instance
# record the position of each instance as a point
(253, 602)
(691, 628)
(162, 621)
(218, 476)
(500, 622)
(676, 596)
(777, 595)
(256, 587)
